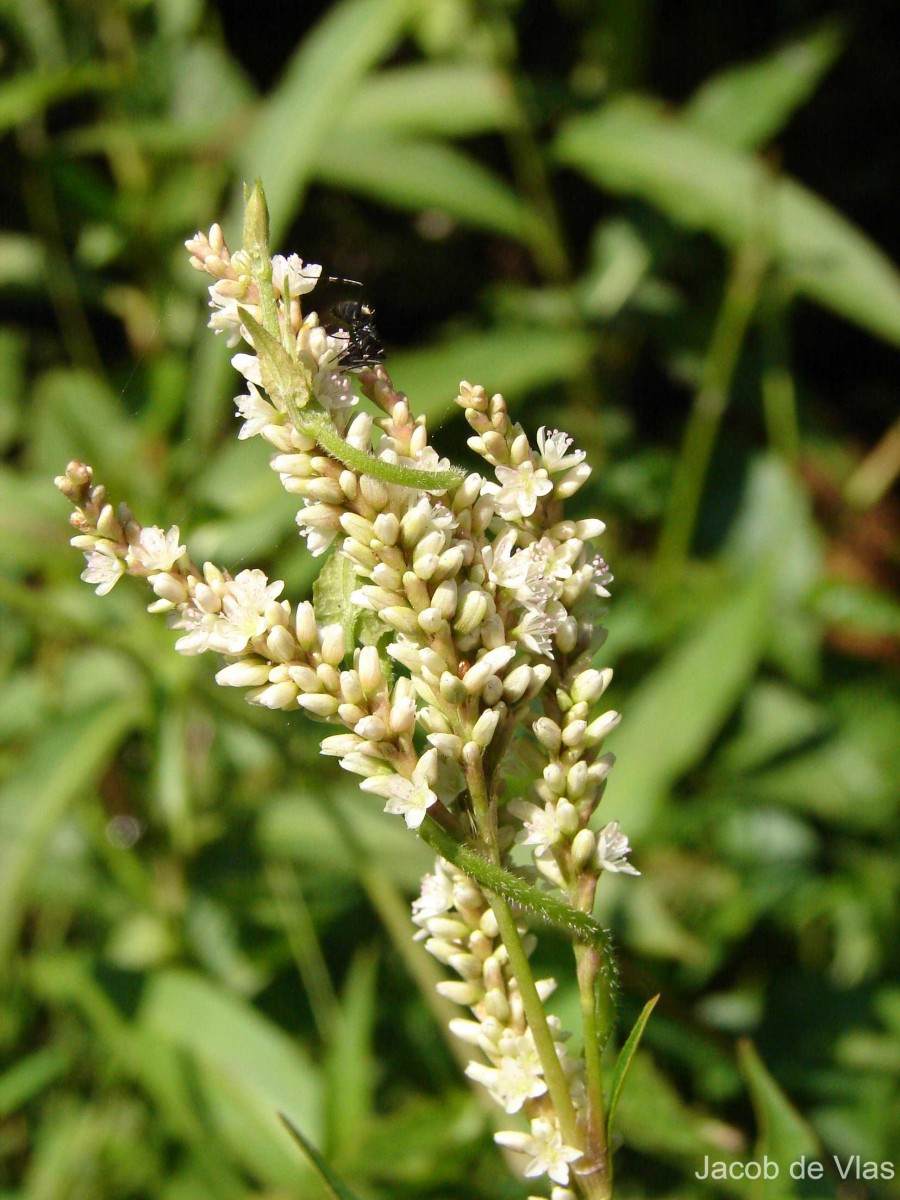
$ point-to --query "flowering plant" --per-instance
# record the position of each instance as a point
(451, 635)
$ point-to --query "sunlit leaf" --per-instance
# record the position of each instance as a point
(451, 99)
(631, 145)
(420, 175)
(681, 705)
(746, 106)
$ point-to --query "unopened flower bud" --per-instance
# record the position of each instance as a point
(485, 727)
(573, 733)
(307, 634)
(320, 705)
(567, 818)
(249, 673)
(371, 677)
(548, 734)
(598, 730)
(471, 612)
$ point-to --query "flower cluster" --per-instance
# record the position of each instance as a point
(477, 595)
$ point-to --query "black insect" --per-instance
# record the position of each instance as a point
(357, 319)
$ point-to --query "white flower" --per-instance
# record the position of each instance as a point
(226, 318)
(536, 630)
(541, 829)
(549, 1154)
(409, 798)
(436, 896)
(519, 491)
(504, 566)
(256, 411)
(104, 568)
(241, 617)
(612, 846)
(155, 550)
(554, 446)
(517, 1077)
(319, 524)
(301, 277)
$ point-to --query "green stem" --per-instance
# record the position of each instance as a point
(557, 1084)
(535, 1013)
(319, 425)
(578, 925)
(732, 323)
(593, 997)
(779, 395)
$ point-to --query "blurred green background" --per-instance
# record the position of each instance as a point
(656, 226)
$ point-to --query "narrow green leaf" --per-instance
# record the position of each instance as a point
(673, 717)
(623, 1062)
(514, 360)
(61, 767)
(632, 146)
(334, 1186)
(747, 106)
(29, 94)
(445, 99)
(249, 1068)
(419, 175)
(30, 1076)
(301, 112)
(350, 1064)
(783, 1136)
(287, 382)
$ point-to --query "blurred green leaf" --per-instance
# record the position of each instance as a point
(631, 145)
(250, 1069)
(446, 99)
(29, 94)
(681, 705)
(23, 261)
(300, 114)
(858, 608)
(514, 360)
(61, 766)
(746, 106)
(783, 1136)
(349, 1068)
(420, 175)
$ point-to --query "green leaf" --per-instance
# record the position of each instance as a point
(783, 1136)
(23, 261)
(28, 95)
(335, 1188)
(250, 1070)
(61, 767)
(632, 146)
(331, 596)
(623, 1062)
(747, 106)
(858, 608)
(420, 175)
(671, 720)
(350, 1064)
(446, 99)
(287, 382)
(513, 359)
(306, 104)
